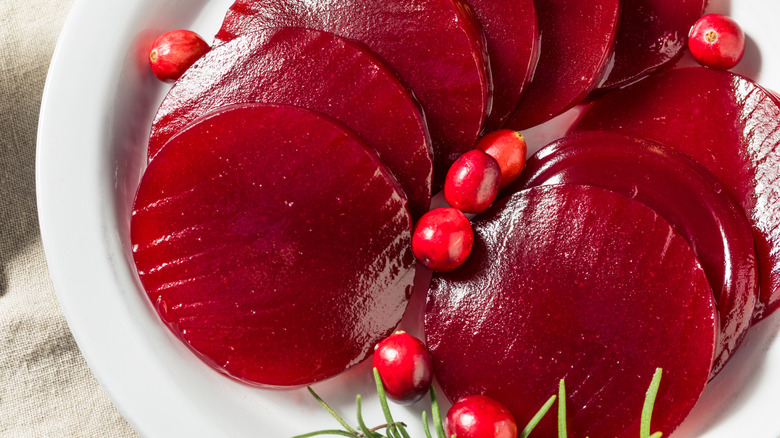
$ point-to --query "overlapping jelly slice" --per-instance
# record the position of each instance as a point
(679, 190)
(273, 243)
(577, 283)
(512, 34)
(652, 34)
(435, 47)
(314, 70)
(577, 38)
(727, 123)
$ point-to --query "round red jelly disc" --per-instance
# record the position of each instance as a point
(512, 35)
(435, 47)
(314, 70)
(728, 124)
(273, 244)
(652, 34)
(682, 192)
(576, 43)
(577, 283)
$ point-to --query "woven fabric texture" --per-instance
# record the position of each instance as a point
(46, 387)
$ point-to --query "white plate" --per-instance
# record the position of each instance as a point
(96, 111)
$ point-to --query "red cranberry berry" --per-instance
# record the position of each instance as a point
(472, 182)
(478, 416)
(443, 239)
(404, 364)
(508, 147)
(174, 52)
(716, 41)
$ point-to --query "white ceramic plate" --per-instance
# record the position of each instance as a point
(97, 107)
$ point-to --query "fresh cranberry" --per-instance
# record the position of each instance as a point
(717, 41)
(404, 364)
(478, 416)
(174, 52)
(443, 239)
(472, 182)
(508, 147)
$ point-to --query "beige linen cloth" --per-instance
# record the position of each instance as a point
(46, 388)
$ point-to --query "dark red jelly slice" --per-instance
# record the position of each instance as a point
(273, 243)
(728, 124)
(577, 283)
(576, 43)
(435, 46)
(512, 35)
(652, 34)
(296, 66)
(679, 190)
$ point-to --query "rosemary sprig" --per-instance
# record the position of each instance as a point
(361, 424)
(425, 425)
(396, 429)
(326, 432)
(393, 430)
(537, 418)
(436, 415)
(647, 408)
(562, 410)
(333, 413)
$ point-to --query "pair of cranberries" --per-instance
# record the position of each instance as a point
(443, 238)
(404, 364)
(474, 179)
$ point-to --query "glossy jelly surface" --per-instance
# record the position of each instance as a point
(512, 34)
(577, 283)
(679, 190)
(314, 70)
(727, 123)
(273, 244)
(577, 37)
(652, 34)
(435, 47)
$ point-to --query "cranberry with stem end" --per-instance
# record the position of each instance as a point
(717, 41)
(443, 239)
(479, 416)
(174, 52)
(508, 147)
(404, 364)
(472, 182)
